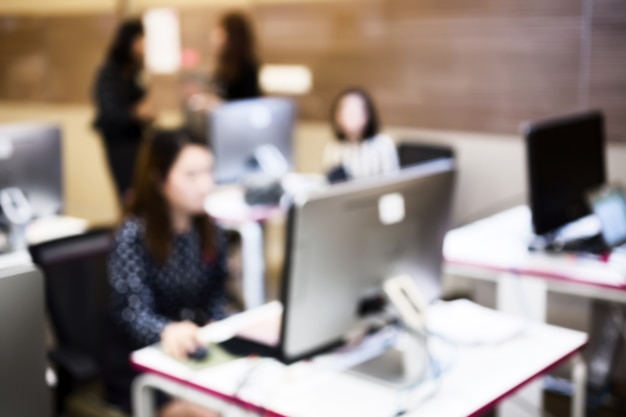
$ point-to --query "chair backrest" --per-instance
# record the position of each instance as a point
(416, 153)
(76, 289)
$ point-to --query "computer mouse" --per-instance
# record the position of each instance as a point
(199, 354)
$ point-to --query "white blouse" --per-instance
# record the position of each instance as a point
(371, 157)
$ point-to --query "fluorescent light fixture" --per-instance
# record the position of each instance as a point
(286, 79)
(163, 51)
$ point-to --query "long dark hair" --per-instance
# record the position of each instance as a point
(372, 126)
(156, 158)
(239, 49)
(121, 52)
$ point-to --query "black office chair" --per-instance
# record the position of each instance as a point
(409, 154)
(76, 293)
(412, 153)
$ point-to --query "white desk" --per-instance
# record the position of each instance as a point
(54, 227)
(16, 258)
(43, 230)
(496, 249)
(479, 378)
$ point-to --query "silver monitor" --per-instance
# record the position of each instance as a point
(242, 132)
(30, 159)
(23, 388)
(343, 244)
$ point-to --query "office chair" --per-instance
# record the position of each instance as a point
(76, 295)
(411, 153)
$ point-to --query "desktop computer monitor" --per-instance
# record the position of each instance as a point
(345, 242)
(30, 159)
(247, 133)
(565, 160)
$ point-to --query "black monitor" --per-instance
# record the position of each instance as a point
(30, 159)
(245, 134)
(344, 243)
(565, 160)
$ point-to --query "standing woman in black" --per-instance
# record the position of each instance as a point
(123, 111)
(237, 66)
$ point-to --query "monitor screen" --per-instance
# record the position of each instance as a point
(565, 160)
(31, 160)
(345, 242)
(245, 133)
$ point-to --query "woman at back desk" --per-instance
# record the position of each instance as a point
(360, 150)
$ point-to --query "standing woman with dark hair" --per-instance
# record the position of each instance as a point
(167, 267)
(236, 71)
(122, 110)
(360, 150)
(237, 66)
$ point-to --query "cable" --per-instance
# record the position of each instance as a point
(433, 368)
(619, 320)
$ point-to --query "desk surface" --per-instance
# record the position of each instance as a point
(499, 244)
(478, 378)
(228, 203)
(43, 230)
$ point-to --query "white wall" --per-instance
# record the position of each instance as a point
(491, 168)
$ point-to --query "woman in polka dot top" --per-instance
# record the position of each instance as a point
(167, 266)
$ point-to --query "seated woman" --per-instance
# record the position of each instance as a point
(360, 150)
(167, 266)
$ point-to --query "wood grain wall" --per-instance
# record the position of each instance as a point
(481, 65)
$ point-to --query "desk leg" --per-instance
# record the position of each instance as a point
(143, 396)
(253, 260)
(526, 298)
(579, 379)
(523, 297)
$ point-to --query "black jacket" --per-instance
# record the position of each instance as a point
(244, 85)
(116, 95)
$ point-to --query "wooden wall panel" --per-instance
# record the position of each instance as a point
(23, 60)
(483, 65)
(52, 59)
(608, 64)
(480, 65)
(76, 47)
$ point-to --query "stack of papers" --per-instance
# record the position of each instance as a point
(463, 322)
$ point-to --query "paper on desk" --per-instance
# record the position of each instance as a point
(227, 328)
(466, 323)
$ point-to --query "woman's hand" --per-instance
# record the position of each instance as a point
(145, 111)
(180, 338)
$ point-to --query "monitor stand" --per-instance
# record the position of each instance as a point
(591, 244)
(407, 362)
(18, 211)
(399, 366)
(583, 235)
